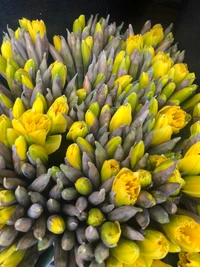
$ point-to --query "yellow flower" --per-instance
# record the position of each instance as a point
(192, 186)
(158, 263)
(74, 156)
(175, 177)
(110, 233)
(52, 143)
(57, 42)
(126, 251)
(154, 245)
(189, 259)
(5, 123)
(134, 42)
(126, 187)
(56, 113)
(121, 117)
(34, 126)
(36, 151)
(109, 168)
(6, 49)
(184, 231)
(56, 224)
(95, 217)
(154, 36)
(21, 147)
(40, 103)
(155, 160)
(161, 135)
(140, 262)
(144, 177)
(35, 26)
(190, 164)
(161, 64)
(178, 72)
(6, 213)
(78, 129)
(18, 108)
(177, 118)
(59, 69)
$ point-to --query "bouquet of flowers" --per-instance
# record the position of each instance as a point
(99, 148)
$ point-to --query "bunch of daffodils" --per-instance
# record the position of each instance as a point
(99, 148)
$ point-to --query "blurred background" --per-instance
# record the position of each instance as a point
(59, 15)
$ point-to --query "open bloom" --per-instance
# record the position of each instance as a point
(184, 231)
(126, 187)
(189, 259)
(34, 126)
(175, 116)
(154, 245)
(154, 36)
(134, 42)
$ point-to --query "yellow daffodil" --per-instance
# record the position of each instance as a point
(140, 262)
(56, 113)
(175, 116)
(78, 129)
(126, 251)
(18, 108)
(34, 27)
(161, 64)
(5, 123)
(109, 168)
(178, 72)
(6, 49)
(95, 217)
(154, 245)
(191, 186)
(190, 164)
(144, 177)
(155, 160)
(121, 117)
(161, 135)
(154, 36)
(56, 224)
(110, 233)
(184, 231)
(175, 177)
(126, 187)
(58, 69)
(34, 126)
(74, 156)
(21, 147)
(189, 259)
(134, 42)
(36, 151)
(57, 43)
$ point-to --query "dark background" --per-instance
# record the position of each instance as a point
(59, 15)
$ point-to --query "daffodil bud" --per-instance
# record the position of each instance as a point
(56, 113)
(161, 64)
(143, 80)
(109, 168)
(179, 73)
(90, 118)
(95, 217)
(57, 43)
(123, 180)
(21, 147)
(83, 186)
(56, 224)
(7, 197)
(154, 245)
(81, 93)
(154, 36)
(176, 231)
(78, 129)
(161, 135)
(123, 81)
(15, 258)
(111, 261)
(52, 143)
(180, 96)
(126, 251)
(18, 108)
(110, 233)
(118, 59)
(5, 124)
(27, 82)
(6, 49)
(3, 65)
(121, 117)
(112, 145)
(36, 151)
(136, 153)
(175, 177)
(196, 110)
(86, 52)
(145, 178)
(5, 101)
(73, 155)
(35, 26)
(6, 213)
(59, 69)
(190, 163)
(191, 187)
